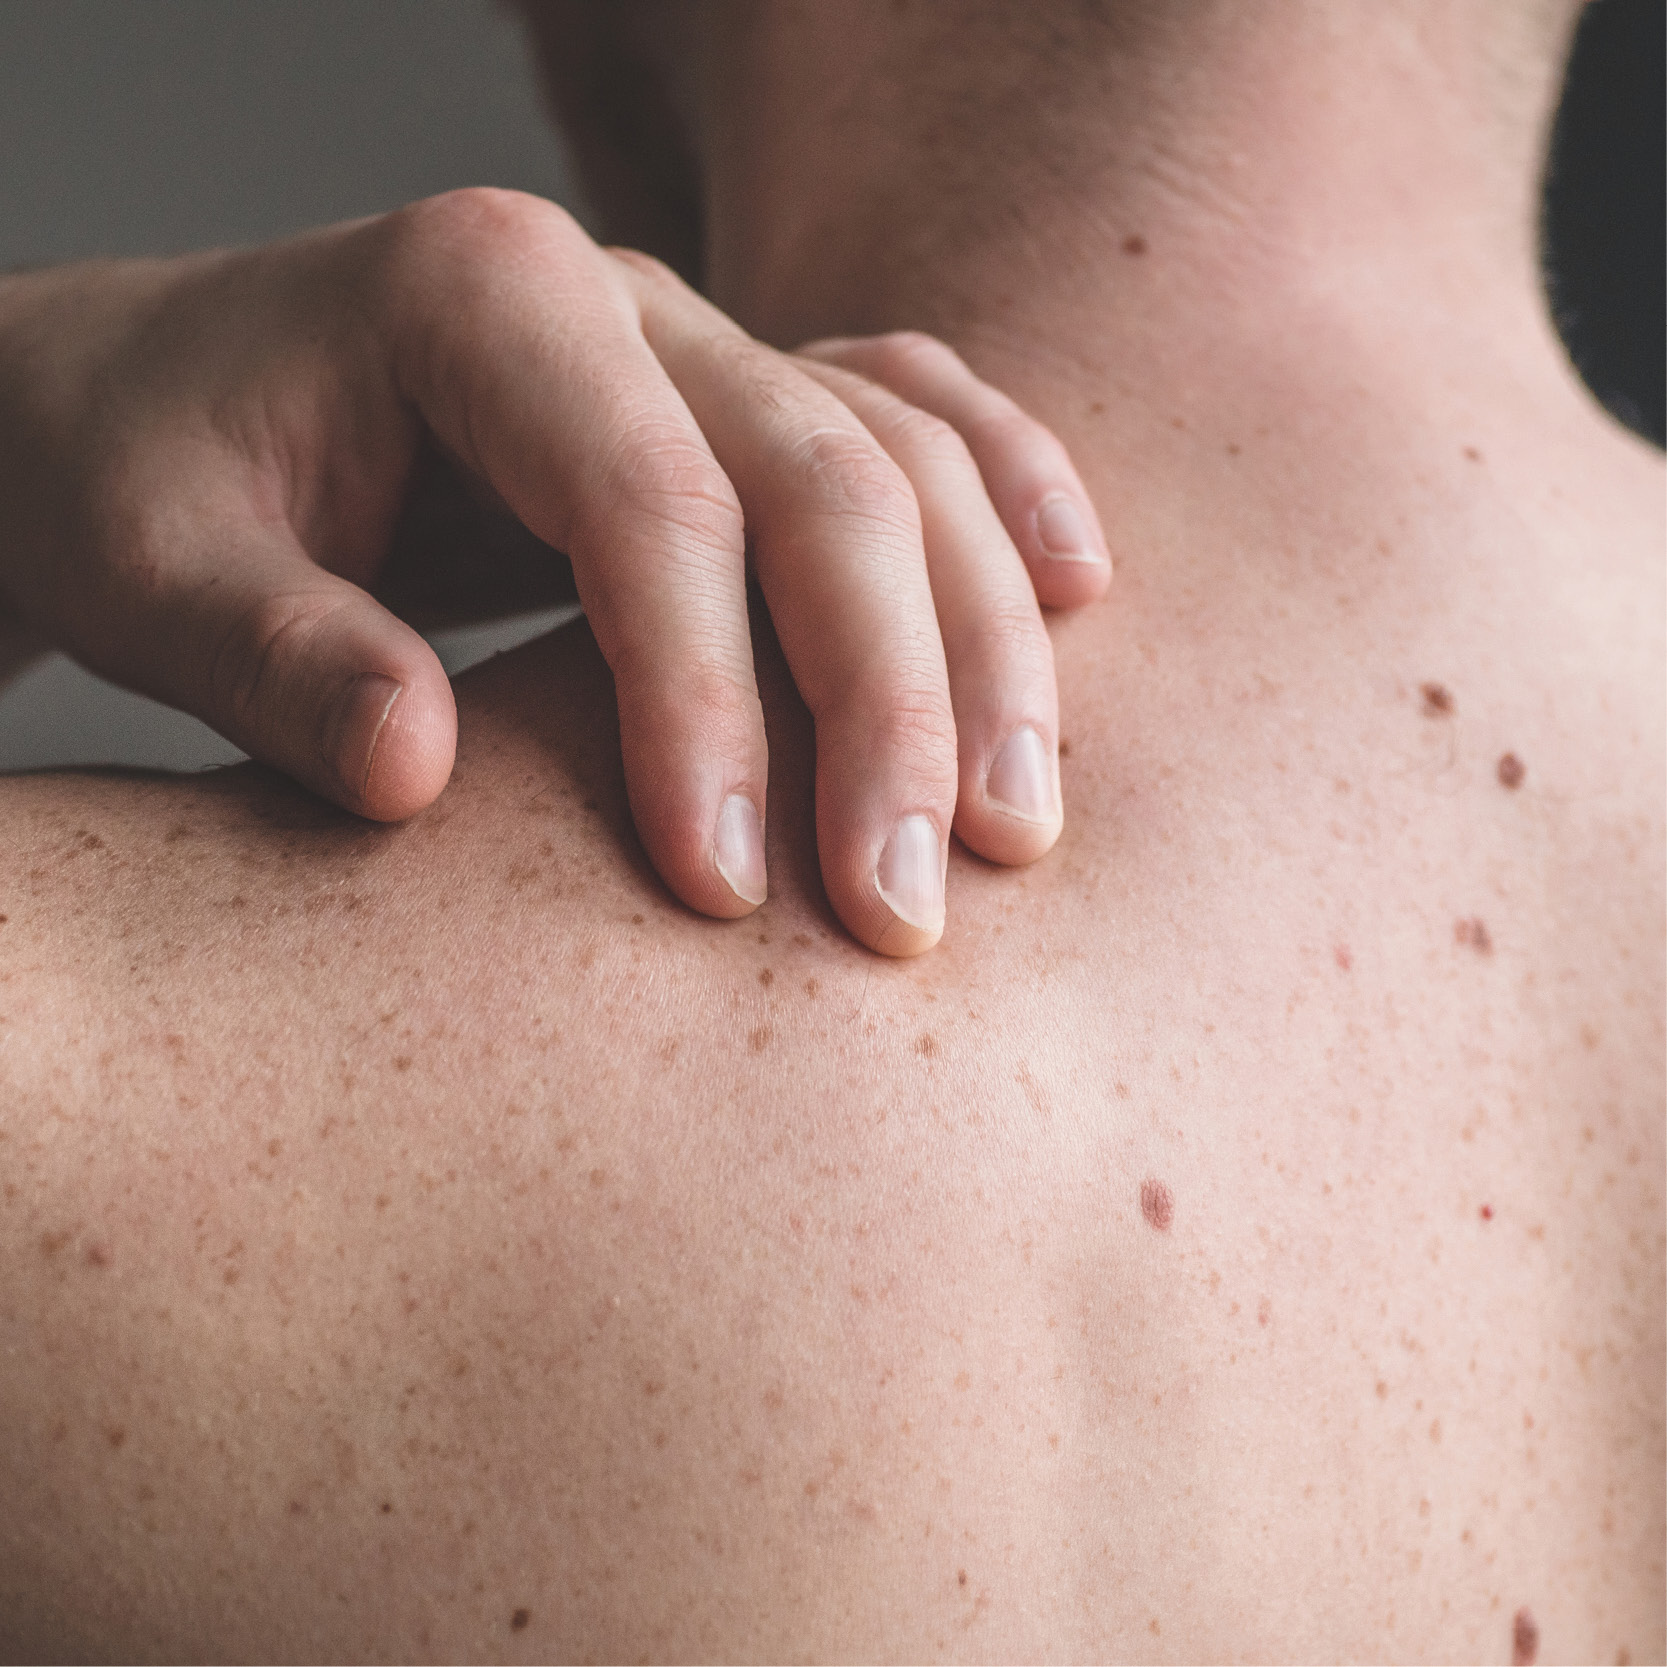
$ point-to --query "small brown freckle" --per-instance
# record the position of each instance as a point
(766, 978)
(1064, 747)
(1157, 1204)
(636, 920)
(927, 1047)
(296, 1508)
(387, 1508)
(803, 940)
(3, 919)
(763, 937)
(1153, 1627)
(1383, 1390)
(652, 1386)
(1525, 1639)
(960, 1577)
(52, 1243)
(1473, 454)
(1097, 408)
(758, 1040)
(1623, 1657)
(519, 1620)
(273, 1148)
(1435, 1431)
(402, 1062)
(97, 1256)
(115, 1435)
(1423, 1507)
(1438, 700)
(1134, 244)
(811, 986)
(1486, 1212)
(1264, 1312)
(1234, 448)
(598, 1177)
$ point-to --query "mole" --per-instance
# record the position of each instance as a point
(1474, 932)
(960, 1577)
(1525, 1639)
(1511, 770)
(1473, 454)
(519, 1619)
(1134, 244)
(1157, 1204)
(1438, 700)
(1486, 1212)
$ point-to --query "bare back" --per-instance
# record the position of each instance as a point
(1242, 1239)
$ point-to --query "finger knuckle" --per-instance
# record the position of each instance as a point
(1007, 429)
(247, 670)
(915, 724)
(898, 353)
(853, 476)
(929, 439)
(670, 479)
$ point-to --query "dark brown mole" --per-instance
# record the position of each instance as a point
(1438, 700)
(927, 1047)
(1474, 932)
(1525, 1639)
(960, 1577)
(766, 978)
(1511, 770)
(519, 1619)
(1064, 752)
(1134, 244)
(1157, 1204)
(387, 1508)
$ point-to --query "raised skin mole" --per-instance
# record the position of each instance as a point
(1157, 1204)
(1511, 770)
(1438, 700)
(1525, 1639)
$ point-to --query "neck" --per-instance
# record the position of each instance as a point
(983, 170)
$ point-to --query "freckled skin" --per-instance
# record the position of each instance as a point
(901, 1314)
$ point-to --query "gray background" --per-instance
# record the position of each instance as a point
(151, 126)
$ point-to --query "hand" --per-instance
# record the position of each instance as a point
(202, 462)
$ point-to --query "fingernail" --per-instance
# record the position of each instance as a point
(1064, 532)
(910, 874)
(355, 726)
(738, 849)
(1021, 778)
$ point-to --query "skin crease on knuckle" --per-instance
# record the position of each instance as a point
(1242, 1237)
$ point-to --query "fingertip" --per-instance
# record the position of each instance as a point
(1066, 552)
(393, 744)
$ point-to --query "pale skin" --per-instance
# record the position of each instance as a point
(1241, 1238)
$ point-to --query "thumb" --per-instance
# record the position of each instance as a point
(299, 668)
